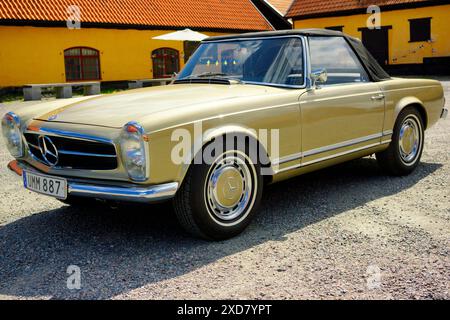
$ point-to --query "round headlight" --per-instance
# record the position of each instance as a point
(11, 133)
(133, 144)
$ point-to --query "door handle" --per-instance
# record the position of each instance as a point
(377, 97)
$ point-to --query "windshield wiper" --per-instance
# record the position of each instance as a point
(205, 75)
(212, 75)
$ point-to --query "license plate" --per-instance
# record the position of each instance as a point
(51, 186)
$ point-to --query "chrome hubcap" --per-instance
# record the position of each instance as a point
(409, 140)
(230, 187)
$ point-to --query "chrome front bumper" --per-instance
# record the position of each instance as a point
(444, 113)
(131, 193)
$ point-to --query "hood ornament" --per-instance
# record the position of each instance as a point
(53, 117)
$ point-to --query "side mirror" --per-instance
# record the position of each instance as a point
(318, 76)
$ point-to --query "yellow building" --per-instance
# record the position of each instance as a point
(46, 41)
(406, 36)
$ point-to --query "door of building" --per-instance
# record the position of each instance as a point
(377, 42)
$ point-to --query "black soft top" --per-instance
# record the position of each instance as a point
(376, 72)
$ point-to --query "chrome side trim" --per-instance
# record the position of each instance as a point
(332, 147)
(288, 158)
(339, 97)
(131, 193)
(339, 145)
(340, 154)
(387, 136)
(332, 156)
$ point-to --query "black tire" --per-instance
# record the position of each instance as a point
(195, 210)
(393, 160)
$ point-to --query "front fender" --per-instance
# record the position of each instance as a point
(210, 134)
(200, 140)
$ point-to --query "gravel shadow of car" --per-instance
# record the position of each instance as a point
(128, 248)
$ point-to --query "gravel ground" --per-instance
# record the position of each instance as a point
(347, 232)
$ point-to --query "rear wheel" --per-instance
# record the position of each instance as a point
(405, 150)
(218, 201)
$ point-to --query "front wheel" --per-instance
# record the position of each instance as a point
(405, 150)
(218, 201)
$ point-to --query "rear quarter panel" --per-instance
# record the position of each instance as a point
(401, 93)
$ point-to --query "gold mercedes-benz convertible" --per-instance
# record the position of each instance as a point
(247, 110)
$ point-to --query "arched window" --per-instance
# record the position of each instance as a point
(166, 61)
(82, 63)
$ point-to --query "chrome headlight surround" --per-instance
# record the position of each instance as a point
(12, 134)
(134, 149)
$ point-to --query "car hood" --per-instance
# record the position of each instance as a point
(145, 104)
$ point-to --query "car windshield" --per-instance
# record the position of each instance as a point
(276, 61)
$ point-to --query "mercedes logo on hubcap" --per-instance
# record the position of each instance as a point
(48, 150)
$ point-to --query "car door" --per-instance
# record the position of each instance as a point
(346, 112)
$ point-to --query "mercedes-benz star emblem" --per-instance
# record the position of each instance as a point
(48, 150)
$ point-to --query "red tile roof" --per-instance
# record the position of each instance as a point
(281, 5)
(315, 7)
(204, 14)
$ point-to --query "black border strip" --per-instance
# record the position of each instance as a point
(62, 24)
(380, 28)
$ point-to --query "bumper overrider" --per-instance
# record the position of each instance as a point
(126, 193)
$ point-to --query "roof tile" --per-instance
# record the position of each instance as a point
(310, 7)
(205, 14)
(281, 5)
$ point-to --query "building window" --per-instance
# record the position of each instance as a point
(82, 64)
(166, 62)
(335, 28)
(420, 29)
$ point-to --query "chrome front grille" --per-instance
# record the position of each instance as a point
(72, 153)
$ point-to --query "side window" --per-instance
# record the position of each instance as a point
(336, 56)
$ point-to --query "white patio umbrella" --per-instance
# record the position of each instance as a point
(182, 35)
